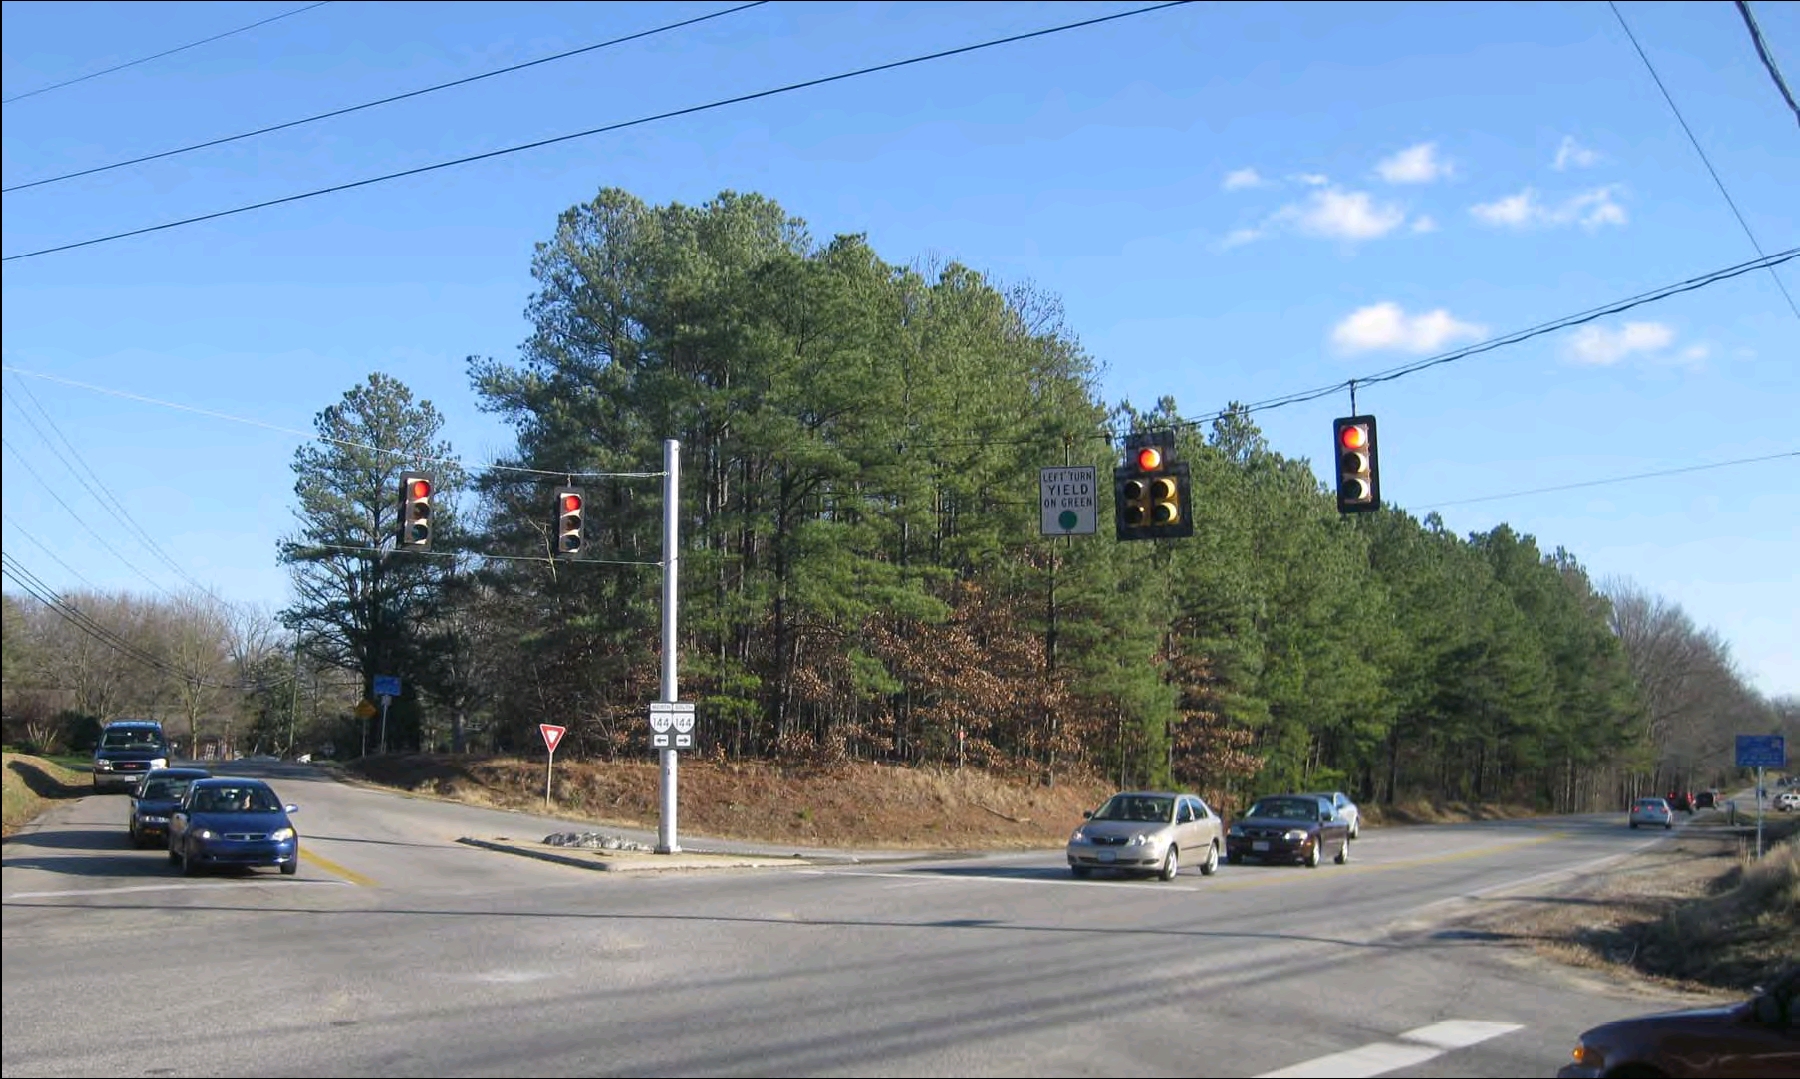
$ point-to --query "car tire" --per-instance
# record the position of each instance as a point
(1343, 854)
(1211, 865)
(1356, 828)
(1080, 872)
(188, 868)
(1668, 825)
(1313, 856)
(1234, 859)
(174, 859)
(1634, 826)
(1171, 867)
(288, 869)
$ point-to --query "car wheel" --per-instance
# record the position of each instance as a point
(1668, 825)
(1356, 828)
(1171, 863)
(174, 859)
(1211, 865)
(1313, 856)
(288, 869)
(1634, 826)
(1234, 859)
(188, 868)
(1343, 854)
(1080, 872)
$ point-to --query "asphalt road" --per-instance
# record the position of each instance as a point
(397, 951)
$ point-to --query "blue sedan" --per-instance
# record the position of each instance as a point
(228, 821)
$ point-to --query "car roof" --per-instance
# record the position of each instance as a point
(180, 772)
(134, 723)
(230, 781)
(1157, 794)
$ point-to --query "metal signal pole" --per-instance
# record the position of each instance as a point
(666, 842)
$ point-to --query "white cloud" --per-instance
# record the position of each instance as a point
(1311, 179)
(1239, 179)
(1694, 355)
(1571, 154)
(1601, 347)
(1384, 326)
(1342, 215)
(1240, 237)
(1589, 209)
(1425, 223)
(1414, 165)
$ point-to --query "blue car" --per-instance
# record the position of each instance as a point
(154, 799)
(229, 821)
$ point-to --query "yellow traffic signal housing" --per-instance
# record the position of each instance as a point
(416, 490)
(1150, 492)
(1358, 471)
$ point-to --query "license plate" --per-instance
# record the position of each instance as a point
(1261, 844)
(1108, 856)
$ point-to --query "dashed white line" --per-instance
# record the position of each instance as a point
(1378, 1058)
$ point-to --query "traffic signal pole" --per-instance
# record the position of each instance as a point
(666, 842)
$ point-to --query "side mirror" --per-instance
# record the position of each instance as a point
(291, 808)
(1087, 814)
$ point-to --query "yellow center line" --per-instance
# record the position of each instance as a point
(336, 870)
(1398, 863)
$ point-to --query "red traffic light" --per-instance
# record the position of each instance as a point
(1149, 458)
(1354, 436)
(420, 488)
(571, 503)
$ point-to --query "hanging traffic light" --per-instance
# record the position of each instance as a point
(416, 489)
(570, 502)
(1150, 492)
(1358, 474)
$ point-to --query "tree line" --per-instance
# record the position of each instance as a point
(862, 576)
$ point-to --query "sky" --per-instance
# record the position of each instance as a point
(1233, 202)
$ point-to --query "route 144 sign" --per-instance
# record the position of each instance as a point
(552, 735)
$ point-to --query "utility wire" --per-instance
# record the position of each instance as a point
(99, 537)
(103, 495)
(44, 547)
(1729, 201)
(1762, 50)
(160, 55)
(621, 125)
(313, 436)
(1615, 479)
(382, 101)
(1663, 292)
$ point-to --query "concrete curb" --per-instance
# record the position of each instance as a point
(641, 861)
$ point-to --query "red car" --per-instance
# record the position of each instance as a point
(1752, 1039)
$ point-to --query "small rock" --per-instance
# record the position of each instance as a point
(594, 841)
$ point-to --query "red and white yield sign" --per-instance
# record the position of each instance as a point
(552, 735)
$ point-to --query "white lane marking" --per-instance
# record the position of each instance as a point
(153, 888)
(1375, 1058)
(1458, 1033)
(1379, 1058)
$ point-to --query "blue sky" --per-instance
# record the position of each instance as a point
(1232, 201)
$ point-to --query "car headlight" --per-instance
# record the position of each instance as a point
(1077, 837)
(280, 834)
(205, 833)
(1237, 830)
(1588, 1056)
(1142, 839)
(103, 765)
(1295, 835)
(160, 762)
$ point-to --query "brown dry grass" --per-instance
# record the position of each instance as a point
(1697, 912)
(867, 806)
(30, 784)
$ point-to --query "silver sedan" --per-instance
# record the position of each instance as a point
(1147, 832)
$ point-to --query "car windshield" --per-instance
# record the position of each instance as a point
(128, 740)
(235, 800)
(1287, 809)
(1138, 807)
(164, 790)
(1648, 803)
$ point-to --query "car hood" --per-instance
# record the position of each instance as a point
(1122, 827)
(239, 822)
(1277, 822)
(1706, 1022)
(156, 805)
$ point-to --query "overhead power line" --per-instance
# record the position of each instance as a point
(1704, 160)
(1614, 479)
(381, 101)
(160, 55)
(620, 126)
(1762, 50)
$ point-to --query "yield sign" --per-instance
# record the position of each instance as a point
(552, 735)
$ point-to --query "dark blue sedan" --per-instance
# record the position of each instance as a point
(228, 821)
(155, 797)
